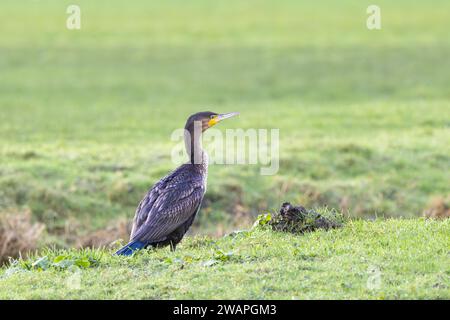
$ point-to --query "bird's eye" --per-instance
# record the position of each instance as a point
(212, 116)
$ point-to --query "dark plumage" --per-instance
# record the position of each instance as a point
(169, 208)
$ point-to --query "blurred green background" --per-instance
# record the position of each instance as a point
(86, 115)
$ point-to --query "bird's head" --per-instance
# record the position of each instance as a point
(206, 119)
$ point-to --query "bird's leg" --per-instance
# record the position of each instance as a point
(173, 246)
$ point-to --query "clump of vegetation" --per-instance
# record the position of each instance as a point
(58, 260)
(298, 219)
(18, 234)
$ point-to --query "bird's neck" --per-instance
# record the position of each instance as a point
(194, 149)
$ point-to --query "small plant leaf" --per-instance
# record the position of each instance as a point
(262, 220)
(83, 263)
(64, 264)
(210, 263)
(41, 263)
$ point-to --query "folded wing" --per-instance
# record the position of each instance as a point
(170, 203)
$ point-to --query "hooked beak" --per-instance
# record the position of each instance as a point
(221, 117)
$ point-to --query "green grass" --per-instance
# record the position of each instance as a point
(382, 259)
(86, 116)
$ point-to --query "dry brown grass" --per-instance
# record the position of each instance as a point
(118, 230)
(438, 208)
(18, 234)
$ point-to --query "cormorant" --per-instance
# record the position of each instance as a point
(169, 208)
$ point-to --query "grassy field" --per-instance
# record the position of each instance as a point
(390, 259)
(86, 117)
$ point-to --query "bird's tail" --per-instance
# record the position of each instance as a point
(130, 248)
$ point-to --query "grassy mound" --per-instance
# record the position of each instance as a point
(382, 259)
